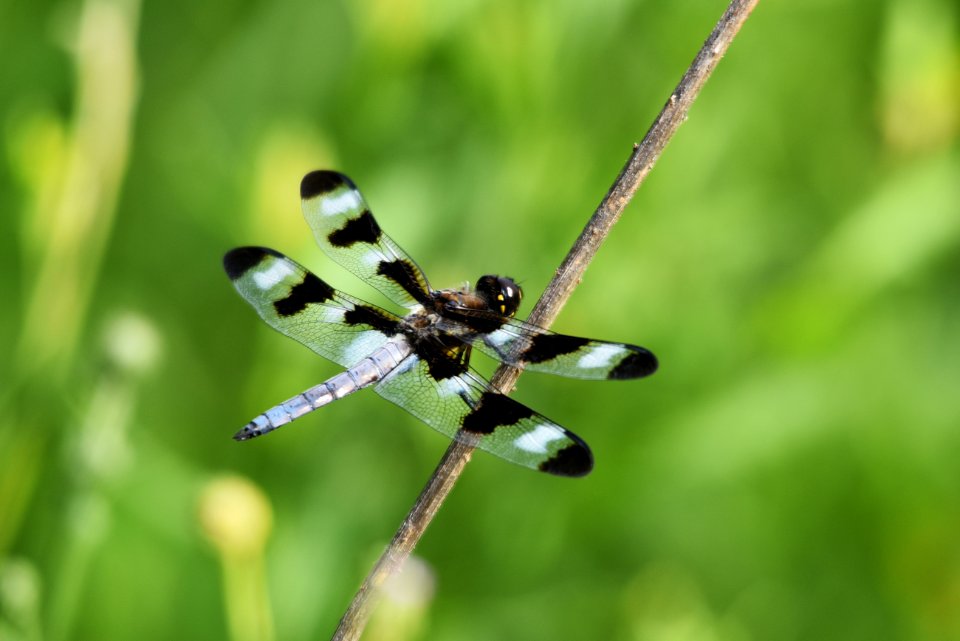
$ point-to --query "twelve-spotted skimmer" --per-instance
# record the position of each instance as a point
(419, 361)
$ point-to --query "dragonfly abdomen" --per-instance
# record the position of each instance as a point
(365, 373)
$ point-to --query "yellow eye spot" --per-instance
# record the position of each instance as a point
(503, 309)
(499, 296)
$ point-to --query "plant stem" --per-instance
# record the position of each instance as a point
(567, 277)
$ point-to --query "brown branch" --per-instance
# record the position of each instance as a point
(568, 275)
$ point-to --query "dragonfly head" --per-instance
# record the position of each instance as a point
(501, 293)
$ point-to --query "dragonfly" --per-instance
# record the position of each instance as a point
(421, 360)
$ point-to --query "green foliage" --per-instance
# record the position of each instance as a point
(790, 473)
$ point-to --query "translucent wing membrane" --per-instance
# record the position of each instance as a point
(298, 304)
(346, 230)
(488, 419)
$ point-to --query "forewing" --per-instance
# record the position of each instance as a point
(295, 302)
(466, 408)
(513, 342)
(346, 230)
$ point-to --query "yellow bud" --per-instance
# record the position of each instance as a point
(235, 515)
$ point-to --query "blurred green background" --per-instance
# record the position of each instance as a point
(791, 472)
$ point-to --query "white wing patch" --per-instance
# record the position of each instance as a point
(536, 442)
(341, 204)
(357, 350)
(372, 259)
(273, 275)
(331, 314)
(499, 338)
(453, 386)
(599, 356)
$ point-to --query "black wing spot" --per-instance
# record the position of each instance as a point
(239, 261)
(638, 364)
(545, 347)
(443, 360)
(363, 315)
(311, 290)
(362, 229)
(322, 181)
(404, 275)
(573, 460)
(493, 411)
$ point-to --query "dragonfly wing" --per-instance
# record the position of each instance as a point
(464, 407)
(298, 304)
(349, 234)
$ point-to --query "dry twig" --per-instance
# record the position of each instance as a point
(568, 275)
